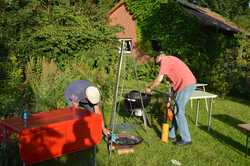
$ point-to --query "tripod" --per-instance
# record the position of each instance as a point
(117, 95)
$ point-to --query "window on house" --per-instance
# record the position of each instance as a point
(127, 45)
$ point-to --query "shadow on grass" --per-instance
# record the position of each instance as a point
(157, 130)
(229, 120)
(224, 139)
(239, 100)
(80, 158)
(157, 111)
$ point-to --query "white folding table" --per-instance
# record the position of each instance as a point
(198, 95)
(200, 86)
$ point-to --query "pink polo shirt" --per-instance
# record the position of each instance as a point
(177, 71)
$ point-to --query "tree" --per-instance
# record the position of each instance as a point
(56, 30)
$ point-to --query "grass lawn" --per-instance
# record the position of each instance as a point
(222, 145)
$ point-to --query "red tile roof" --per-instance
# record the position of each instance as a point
(116, 7)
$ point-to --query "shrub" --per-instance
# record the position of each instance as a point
(48, 82)
(45, 80)
(11, 87)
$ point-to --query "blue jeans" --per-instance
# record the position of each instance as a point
(180, 121)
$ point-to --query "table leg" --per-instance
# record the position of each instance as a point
(206, 104)
(210, 114)
(197, 112)
(205, 99)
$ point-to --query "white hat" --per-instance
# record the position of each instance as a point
(92, 94)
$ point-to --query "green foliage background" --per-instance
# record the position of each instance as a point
(213, 56)
(74, 39)
(58, 42)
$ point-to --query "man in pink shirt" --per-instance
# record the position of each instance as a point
(182, 83)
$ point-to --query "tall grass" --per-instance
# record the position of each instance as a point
(48, 80)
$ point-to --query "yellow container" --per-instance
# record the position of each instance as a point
(164, 134)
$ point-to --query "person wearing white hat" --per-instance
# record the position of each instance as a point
(81, 93)
(92, 94)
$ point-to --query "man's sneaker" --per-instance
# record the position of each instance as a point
(183, 142)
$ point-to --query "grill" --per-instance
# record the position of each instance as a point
(135, 101)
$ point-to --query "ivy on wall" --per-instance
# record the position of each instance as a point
(205, 50)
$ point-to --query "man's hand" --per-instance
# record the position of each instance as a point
(105, 131)
(168, 104)
(75, 104)
(74, 101)
(154, 84)
(148, 90)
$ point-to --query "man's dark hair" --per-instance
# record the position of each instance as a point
(155, 59)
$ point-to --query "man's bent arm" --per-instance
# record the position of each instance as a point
(156, 82)
(98, 111)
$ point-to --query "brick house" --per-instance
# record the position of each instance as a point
(119, 15)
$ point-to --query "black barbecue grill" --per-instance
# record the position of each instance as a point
(136, 100)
